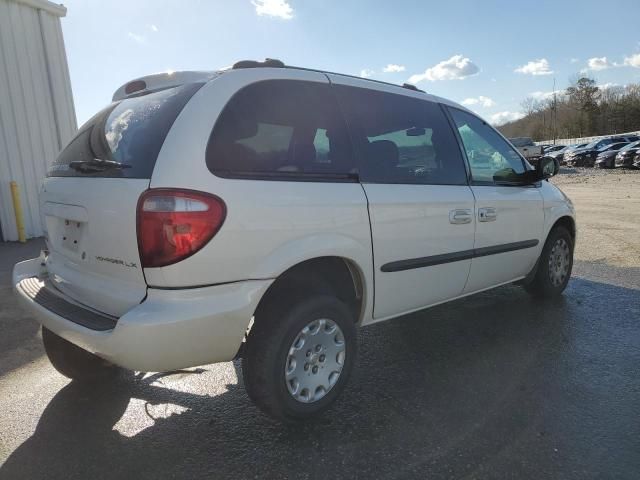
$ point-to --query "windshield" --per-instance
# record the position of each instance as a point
(611, 146)
(631, 145)
(131, 132)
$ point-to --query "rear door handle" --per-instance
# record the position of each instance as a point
(487, 214)
(460, 216)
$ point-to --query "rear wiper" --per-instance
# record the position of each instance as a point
(96, 165)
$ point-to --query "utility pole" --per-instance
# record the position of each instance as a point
(554, 112)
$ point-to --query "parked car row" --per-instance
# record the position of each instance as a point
(528, 149)
(621, 151)
(558, 155)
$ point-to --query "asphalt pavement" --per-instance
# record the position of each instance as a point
(497, 385)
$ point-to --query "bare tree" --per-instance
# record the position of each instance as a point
(583, 109)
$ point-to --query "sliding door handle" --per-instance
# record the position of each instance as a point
(460, 216)
(487, 214)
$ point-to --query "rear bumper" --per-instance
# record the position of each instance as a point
(170, 329)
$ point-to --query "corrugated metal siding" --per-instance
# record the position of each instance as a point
(37, 116)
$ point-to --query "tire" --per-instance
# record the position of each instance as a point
(74, 362)
(270, 350)
(553, 273)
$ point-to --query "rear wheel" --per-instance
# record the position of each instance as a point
(554, 266)
(299, 356)
(74, 362)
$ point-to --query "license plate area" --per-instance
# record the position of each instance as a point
(71, 235)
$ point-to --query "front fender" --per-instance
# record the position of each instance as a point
(556, 206)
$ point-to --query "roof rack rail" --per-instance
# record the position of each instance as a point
(409, 86)
(268, 62)
(274, 63)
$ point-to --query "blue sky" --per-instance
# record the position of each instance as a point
(489, 55)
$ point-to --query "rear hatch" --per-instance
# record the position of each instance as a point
(90, 196)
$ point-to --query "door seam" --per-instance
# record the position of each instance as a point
(475, 226)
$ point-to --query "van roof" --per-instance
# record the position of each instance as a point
(160, 81)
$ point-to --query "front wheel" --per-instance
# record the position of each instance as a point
(299, 356)
(554, 265)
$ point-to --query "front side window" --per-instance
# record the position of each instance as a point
(401, 139)
(281, 129)
(488, 153)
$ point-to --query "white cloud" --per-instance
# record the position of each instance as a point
(541, 95)
(153, 28)
(504, 117)
(574, 60)
(366, 73)
(598, 63)
(607, 86)
(455, 68)
(140, 39)
(535, 67)
(393, 68)
(633, 60)
(117, 127)
(547, 95)
(273, 8)
(481, 100)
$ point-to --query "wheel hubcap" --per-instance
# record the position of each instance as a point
(315, 360)
(559, 260)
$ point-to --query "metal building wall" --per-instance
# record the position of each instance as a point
(37, 115)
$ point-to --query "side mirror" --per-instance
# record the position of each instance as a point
(416, 132)
(546, 168)
(508, 177)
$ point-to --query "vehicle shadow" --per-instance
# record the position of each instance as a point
(460, 390)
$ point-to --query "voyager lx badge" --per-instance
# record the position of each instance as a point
(117, 261)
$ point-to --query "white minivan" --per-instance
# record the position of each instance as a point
(266, 212)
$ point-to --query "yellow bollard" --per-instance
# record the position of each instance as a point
(17, 208)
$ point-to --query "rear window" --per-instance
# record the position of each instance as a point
(282, 130)
(130, 132)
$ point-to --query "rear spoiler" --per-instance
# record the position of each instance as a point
(160, 81)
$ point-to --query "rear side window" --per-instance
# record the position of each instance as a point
(281, 129)
(402, 139)
(130, 132)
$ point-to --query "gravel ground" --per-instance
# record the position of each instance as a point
(497, 385)
(608, 209)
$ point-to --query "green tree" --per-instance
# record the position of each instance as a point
(584, 95)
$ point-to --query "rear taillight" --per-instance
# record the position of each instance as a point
(175, 224)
